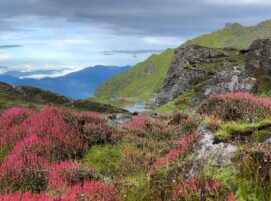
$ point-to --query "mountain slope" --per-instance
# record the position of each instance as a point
(26, 96)
(233, 35)
(142, 81)
(77, 85)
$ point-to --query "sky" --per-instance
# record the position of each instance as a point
(73, 34)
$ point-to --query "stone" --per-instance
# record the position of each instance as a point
(182, 71)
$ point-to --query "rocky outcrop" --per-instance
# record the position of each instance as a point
(230, 80)
(254, 77)
(185, 69)
(220, 154)
(259, 58)
(221, 68)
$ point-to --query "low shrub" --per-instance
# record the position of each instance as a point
(88, 191)
(236, 106)
(67, 173)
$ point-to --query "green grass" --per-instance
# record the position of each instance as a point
(140, 83)
(36, 98)
(104, 158)
(179, 104)
(236, 35)
(229, 129)
(3, 153)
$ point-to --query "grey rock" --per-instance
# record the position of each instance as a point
(220, 154)
(181, 71)
(230, 80)
(259, 58)
(118, 120)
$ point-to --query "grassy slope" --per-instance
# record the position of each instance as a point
(141, 82)
(36, 98)
(236, 35)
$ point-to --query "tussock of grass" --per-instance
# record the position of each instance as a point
(104, 158)
(181, 103)
(229, 129)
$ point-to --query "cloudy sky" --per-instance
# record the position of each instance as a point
(55, 34)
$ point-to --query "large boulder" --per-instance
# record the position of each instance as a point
(258, 63)
(259, 58)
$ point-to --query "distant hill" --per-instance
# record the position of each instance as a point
(145, 79)
(26, 96)
(76, 85)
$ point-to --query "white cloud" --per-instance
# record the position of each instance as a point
(4, 57)
(240, 2)
(52, 75)
(163, 40)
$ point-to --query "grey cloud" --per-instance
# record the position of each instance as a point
(131, 52)
(142, 17)
(9, 46)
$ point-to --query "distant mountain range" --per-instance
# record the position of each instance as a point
(77, 85)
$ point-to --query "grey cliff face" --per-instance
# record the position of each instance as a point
(189, 64)
(182, 71)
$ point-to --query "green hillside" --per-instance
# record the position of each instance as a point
(141, 82)
(146, 78)
(31, 97)
(233, 35)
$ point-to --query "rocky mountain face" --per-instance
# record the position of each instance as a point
(211, 71)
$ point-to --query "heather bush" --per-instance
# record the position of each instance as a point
(92, 127)
(88, 191)
(254, 178)
(18, 196)
(11, 130)
(237, 106)
(67, 173)
(162, 127)
(62, 141)
(198, 189)
(23, 170)
(181, 147)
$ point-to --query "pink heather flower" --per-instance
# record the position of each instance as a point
(18, 196)
(216, 185)
(182, 146)
(231, 197)
(92, 190)
(138, 123)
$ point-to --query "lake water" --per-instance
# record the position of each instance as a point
(138, 107)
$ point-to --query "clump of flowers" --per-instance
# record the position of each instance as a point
(65, 174)
(24, 170)
(11, 130)
(18, 196)
(91, 126)
(39, 141)
(237, 106)
(139, 123)
(181, 147)
(195, 189)
(92, 190)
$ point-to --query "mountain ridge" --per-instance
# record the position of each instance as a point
(83, 82)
